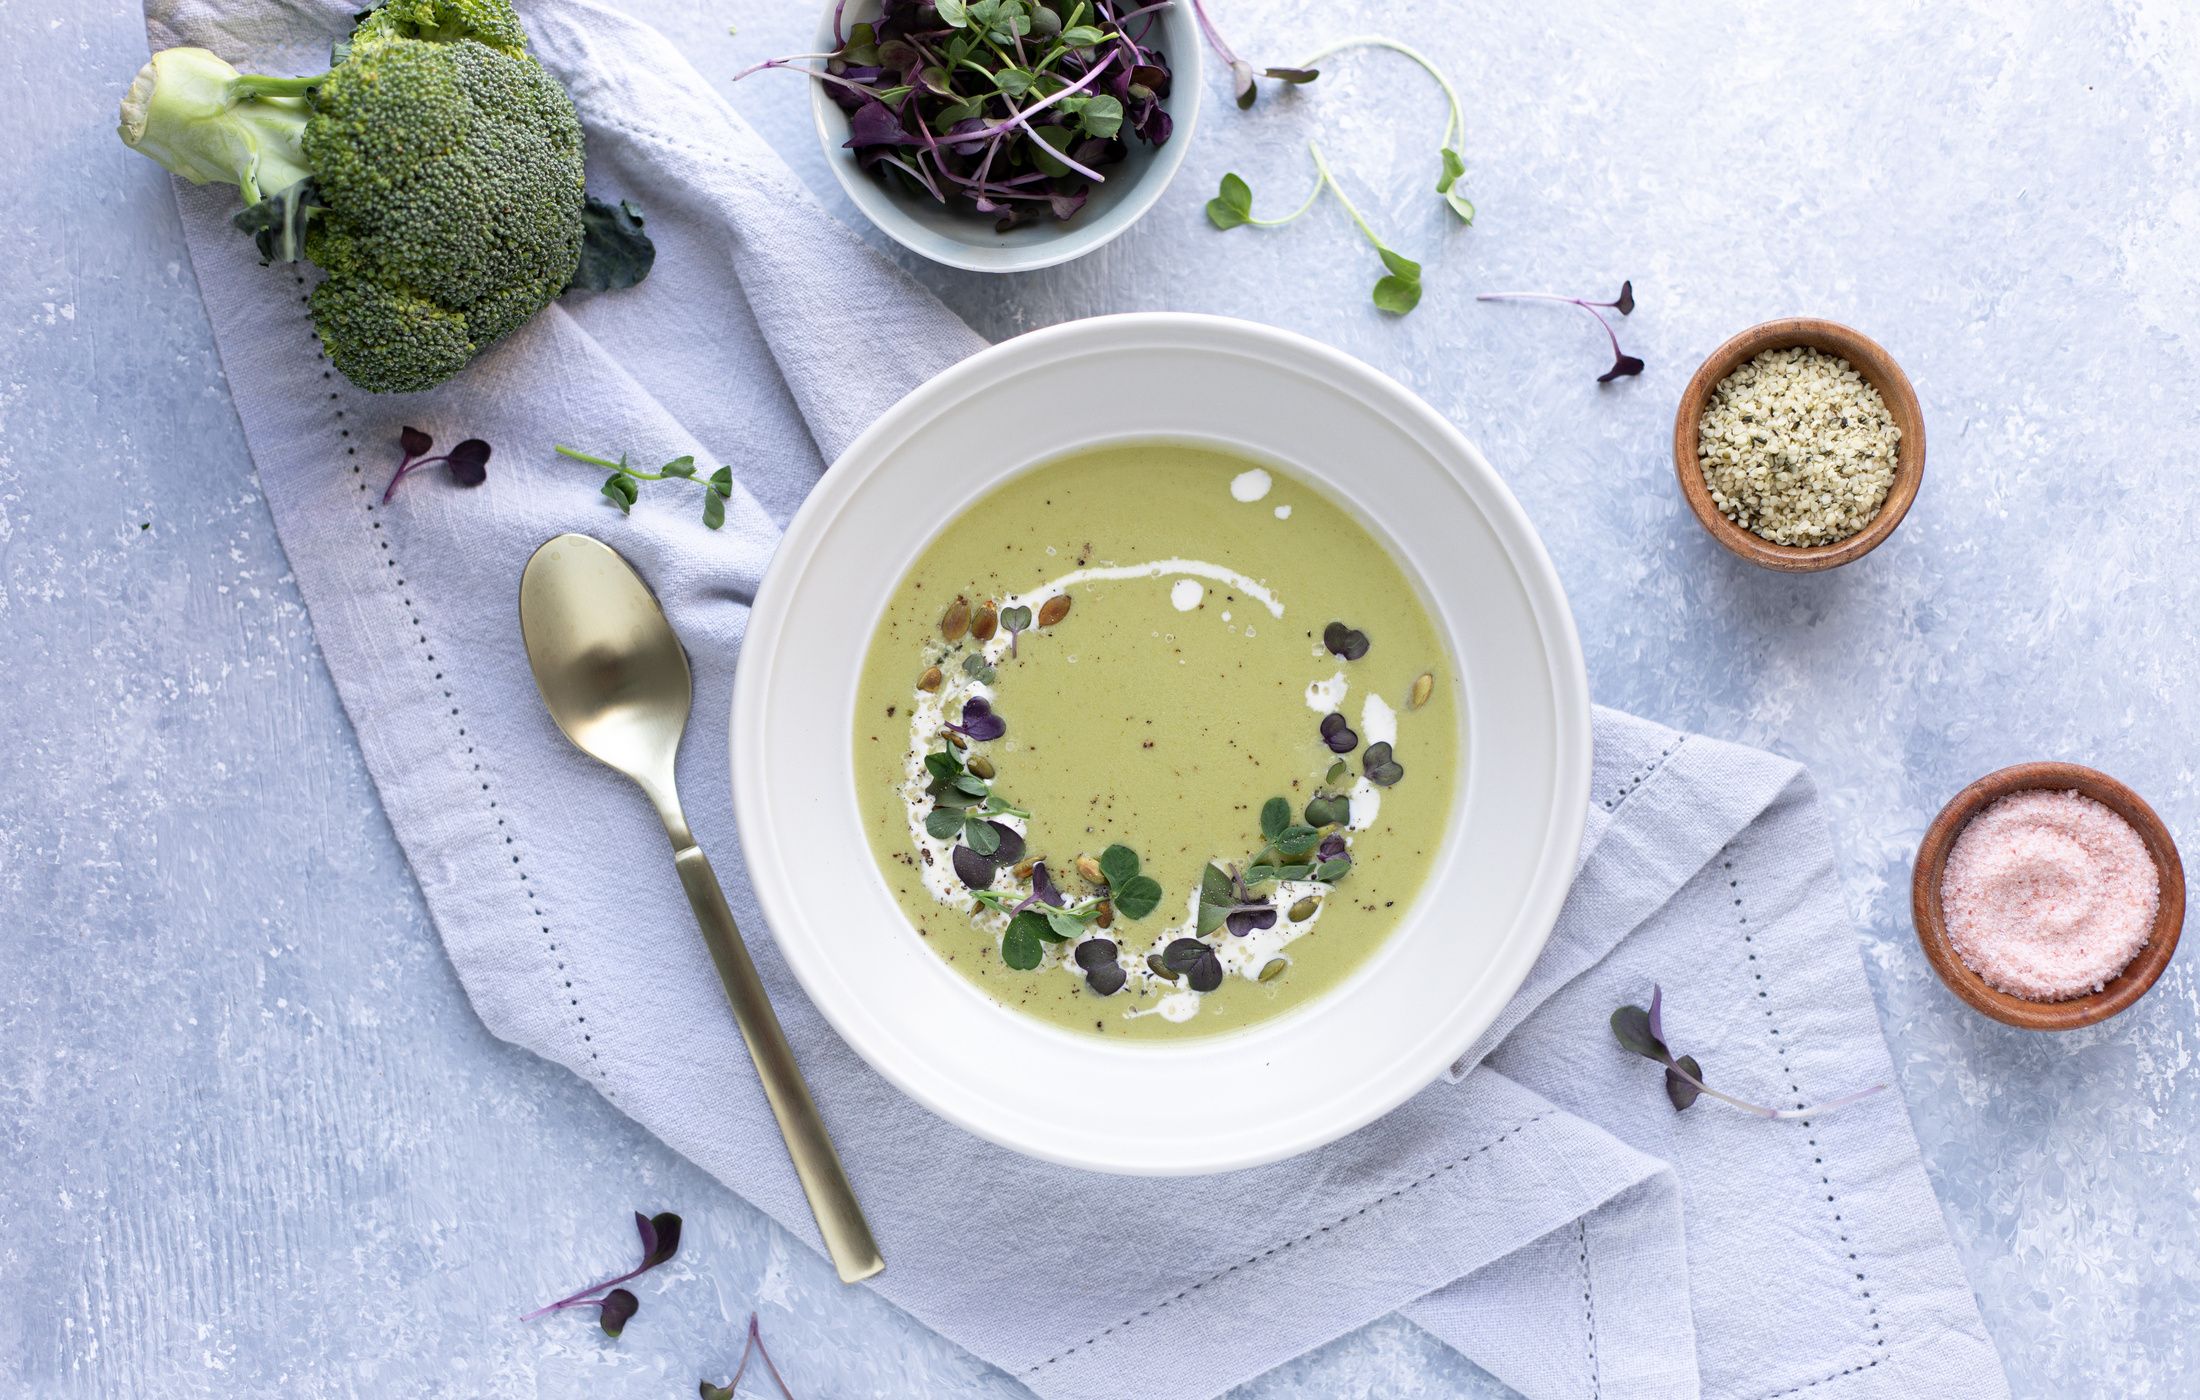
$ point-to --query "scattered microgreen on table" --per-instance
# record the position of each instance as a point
(755, 1347)
(468, 463)
(1623, 364)
(1008, 108)
(1398, 290)
(1643, 1033)
(615, 1306)
(623, 487)
(1242, 77)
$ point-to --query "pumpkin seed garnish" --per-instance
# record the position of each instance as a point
(1424, 685)
(956, 620)
(1336, 773)
(1161, 969)
(930, 680)
(1304, 910)
(1273, 969)
(988, 619)
(1090, 870)
(981, 766)
(1054, 610)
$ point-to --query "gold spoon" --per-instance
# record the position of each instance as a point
(613, 675)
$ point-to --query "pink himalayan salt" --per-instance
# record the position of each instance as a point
(2048, 895)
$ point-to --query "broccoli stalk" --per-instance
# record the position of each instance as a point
(434, 175)
(207, 122)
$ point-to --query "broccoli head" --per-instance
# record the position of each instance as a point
(434, 174)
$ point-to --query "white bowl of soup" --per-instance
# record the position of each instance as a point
(1161, 744)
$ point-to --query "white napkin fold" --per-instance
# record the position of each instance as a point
(1543, 1210)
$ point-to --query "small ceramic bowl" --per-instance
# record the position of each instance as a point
(1878, 369)
(966, 240)
(1932, 928)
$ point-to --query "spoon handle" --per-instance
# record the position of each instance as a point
(816, 1163)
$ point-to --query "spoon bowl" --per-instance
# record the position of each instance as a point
(610, 668)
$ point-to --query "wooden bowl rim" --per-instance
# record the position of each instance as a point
(1879, 370)
(1932, 929)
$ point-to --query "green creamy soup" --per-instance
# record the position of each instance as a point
(1155, 666)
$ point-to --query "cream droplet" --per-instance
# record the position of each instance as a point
(1185, 594)
(1251, 485)
(1283, 512)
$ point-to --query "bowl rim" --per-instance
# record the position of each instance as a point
(1066, 241)
(1528, 926)
(1931, 924)
(1879, 370)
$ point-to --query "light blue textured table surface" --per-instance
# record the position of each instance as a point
(253, 1141)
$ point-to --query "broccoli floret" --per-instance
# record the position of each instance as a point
(445, 166)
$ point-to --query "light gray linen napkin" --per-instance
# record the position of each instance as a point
(1542, 1209)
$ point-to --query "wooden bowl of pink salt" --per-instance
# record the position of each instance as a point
(2048, 896)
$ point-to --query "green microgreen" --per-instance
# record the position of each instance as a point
(1134, 895)
(623, 487)
(1643, 1033)
(1398, 290)
(1015, 622)
(615, 1306)
(974, 666)
(1329, 809)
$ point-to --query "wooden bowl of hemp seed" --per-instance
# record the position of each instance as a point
(1799, 444)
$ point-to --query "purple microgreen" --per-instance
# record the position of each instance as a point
(978, 722)
(619, 1307)
(1623, 364)
(1347, 642)
(468, 463)
(972, 869)
(1642, 1033)
(1011, 847)
(755, 1345)
(1336, 733)
(1195, 962)
(623, 487)
(1001, 108)
(1332, 847)
(1251, 918)
(1042, 888)
(1097, 957)
(1243, 88)
(660, 1236)
(1381, 769)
